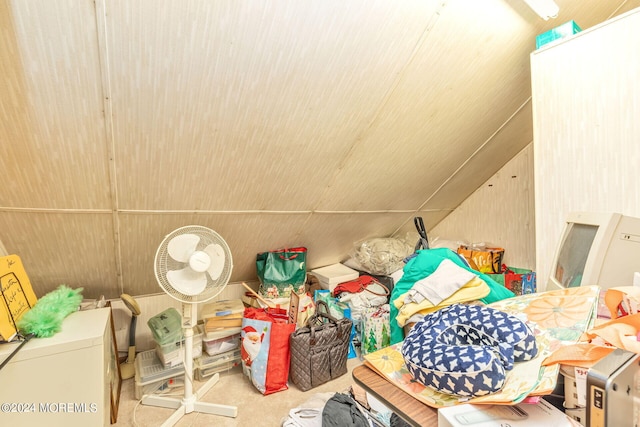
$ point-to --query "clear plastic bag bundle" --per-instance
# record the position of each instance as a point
(382, 256)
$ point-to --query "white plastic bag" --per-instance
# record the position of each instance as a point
(382, 255)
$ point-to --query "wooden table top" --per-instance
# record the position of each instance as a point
(410, 409)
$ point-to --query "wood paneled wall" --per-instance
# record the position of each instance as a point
(500, 213)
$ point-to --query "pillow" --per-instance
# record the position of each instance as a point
(465, 350)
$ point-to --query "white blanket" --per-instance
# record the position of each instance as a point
(439, 285)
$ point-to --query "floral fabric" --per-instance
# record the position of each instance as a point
(465, 350)
(556, 318)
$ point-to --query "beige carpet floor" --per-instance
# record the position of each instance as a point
(235, 389)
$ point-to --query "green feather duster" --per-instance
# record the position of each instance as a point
(46, 316)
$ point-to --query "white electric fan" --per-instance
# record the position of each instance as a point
(193, 264)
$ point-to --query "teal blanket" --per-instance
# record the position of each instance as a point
(422, 265)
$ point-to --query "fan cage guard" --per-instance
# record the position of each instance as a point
(164, 263)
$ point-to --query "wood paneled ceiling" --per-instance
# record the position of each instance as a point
(316, 123)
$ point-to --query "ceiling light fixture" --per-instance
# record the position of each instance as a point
(545, 8)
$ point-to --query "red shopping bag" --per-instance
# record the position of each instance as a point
(265, 348)
(521, 283)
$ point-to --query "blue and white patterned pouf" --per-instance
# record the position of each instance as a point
(466, 350)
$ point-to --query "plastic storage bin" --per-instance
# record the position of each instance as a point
(172, 354)
(166, 327)
(151, 373)
(158, 387)
(206, 366)
(221, 345)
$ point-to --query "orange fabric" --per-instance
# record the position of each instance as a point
(621, 332)
(612, 299)
(583, 355)
(632, 320)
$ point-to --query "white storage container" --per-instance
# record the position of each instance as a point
(221, 345)
(572, 401)
(172, 354)
(206, 366)
(332, 275)
(151, 374)
(159, 386)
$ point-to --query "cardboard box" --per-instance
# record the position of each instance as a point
(542, 413)
(564, 30)
(334, 274)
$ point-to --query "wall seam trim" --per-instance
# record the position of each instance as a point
(103, 51)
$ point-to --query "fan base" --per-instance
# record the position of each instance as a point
(186, 406)
(127, 370)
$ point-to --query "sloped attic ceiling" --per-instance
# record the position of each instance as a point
(280, 123)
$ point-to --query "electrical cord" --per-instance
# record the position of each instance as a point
(25, 339)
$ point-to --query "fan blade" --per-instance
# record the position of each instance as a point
(182, 246)
(217, 255)
(187, 281)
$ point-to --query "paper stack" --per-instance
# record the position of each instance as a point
(522, 415)
(222, 318)
(17, 296)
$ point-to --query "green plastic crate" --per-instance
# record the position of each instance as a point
(166, 327)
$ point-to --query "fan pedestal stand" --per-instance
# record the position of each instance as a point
(192, 265)
(190, 401)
